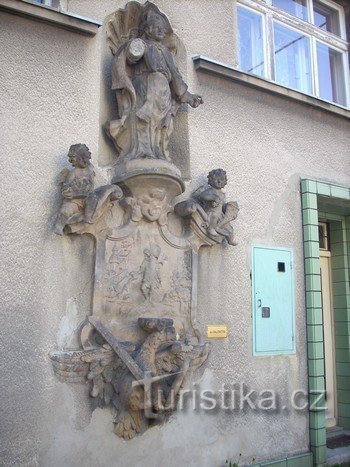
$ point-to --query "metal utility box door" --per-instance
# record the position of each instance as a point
(273, 300)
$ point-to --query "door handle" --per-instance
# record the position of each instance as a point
(259, 303)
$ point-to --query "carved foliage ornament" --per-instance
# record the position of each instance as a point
(140, 342)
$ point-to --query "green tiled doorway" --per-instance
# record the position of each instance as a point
(330, 204)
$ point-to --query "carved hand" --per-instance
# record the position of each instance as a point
(67, 192)
(194, 100)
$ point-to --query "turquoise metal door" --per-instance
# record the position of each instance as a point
(273, 300)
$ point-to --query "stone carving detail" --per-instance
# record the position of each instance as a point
(118, 276)
(140, 342)
(81, 203)
(209, 211)
(151, 206)
(158, 367)
(149, 88)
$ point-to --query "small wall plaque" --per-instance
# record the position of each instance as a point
(218, 331)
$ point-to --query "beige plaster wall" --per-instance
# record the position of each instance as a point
(50, 98)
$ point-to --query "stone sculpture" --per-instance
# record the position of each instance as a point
(141, 342)
(149, 88)
(81, 203)
(209, 210)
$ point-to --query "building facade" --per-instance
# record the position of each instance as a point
(274, 77)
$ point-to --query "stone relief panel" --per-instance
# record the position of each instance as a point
(140, 343)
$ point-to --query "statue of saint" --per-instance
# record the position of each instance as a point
(149, 89)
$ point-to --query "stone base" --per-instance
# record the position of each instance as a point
(137, 167)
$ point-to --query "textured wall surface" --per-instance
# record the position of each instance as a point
(50, 98)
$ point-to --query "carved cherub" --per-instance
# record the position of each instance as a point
(210, 203)
(81, 203)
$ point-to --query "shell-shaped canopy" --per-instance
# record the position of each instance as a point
(130, 22)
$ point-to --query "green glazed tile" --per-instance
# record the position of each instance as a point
(341, 314)
(280, 463)
(339, 275)
(312, 266)
(313, 282)
(337, 237)
(343, 397)
(342, 342)
(317, 419)
(315, 334)
(340, 301)
(344, 422)
(338, 262)
(320, 455)
(310, 216)
(308, 185)
(342, 356)
(313, 299)
(343, 382)
(314, 316)
(311, 249)
(316, 367)
(340, 192)
(339, 288)
(310, 232)
(309, 200)
(315, 350)
(342, 328)
(318, 437)
(317, 402)
(344, 410)
(343, 369)
(304, 460)
(323, 189)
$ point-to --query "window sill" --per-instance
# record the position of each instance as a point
(214, 67)
(52, 16)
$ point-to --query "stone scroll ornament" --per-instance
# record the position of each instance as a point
(140, 342)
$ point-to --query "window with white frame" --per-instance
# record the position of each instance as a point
(52, 3)
(299, 44)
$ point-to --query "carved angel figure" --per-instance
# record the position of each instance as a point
(149, 88)
(210, 203)
(81, 202)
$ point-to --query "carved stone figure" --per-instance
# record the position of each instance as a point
(140, 383)
(151, 206)
(149, 88)
(141, 343)
(209, 209)
(81, 203)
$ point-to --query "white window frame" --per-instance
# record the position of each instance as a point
(339, 43)
(313, 88)
(267, 64)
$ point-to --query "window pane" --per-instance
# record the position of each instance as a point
(330, 74)
(250, 40)
(292, 59)
(297, 8)
(326, 18)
